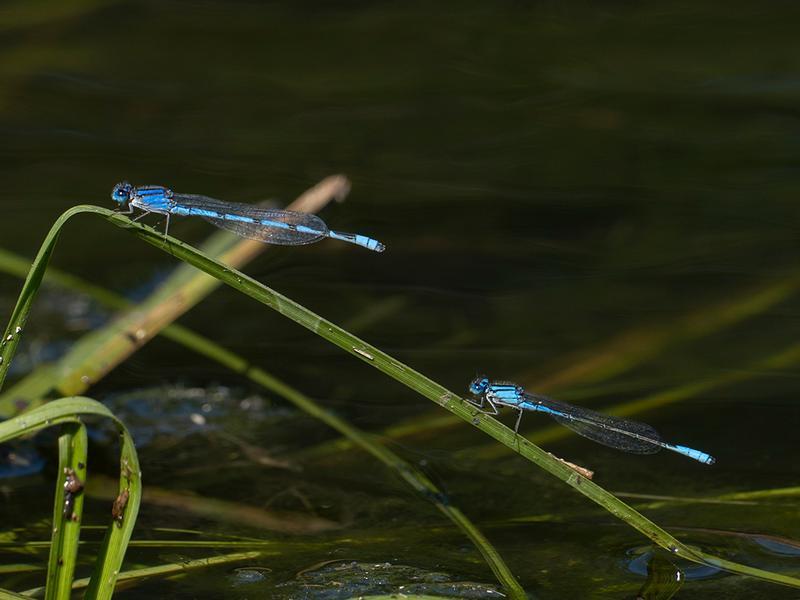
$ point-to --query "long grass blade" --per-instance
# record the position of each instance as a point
(440, 395)
(613, 357)
(183, 290)
(448, 400)
(118, 532)
(67, 510)
(99, 347)
(424, 386)
(43, 383)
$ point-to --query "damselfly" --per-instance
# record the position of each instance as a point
(622, 434)
(271, 225)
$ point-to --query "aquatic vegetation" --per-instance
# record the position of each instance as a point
(68, 504)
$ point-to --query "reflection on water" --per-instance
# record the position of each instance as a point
(598, 199)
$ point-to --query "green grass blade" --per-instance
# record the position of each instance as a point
(452, 402)
(10, 340)
(72, 451)
(437, 393)
(118, 534)
(112, 552)
(424, 386)
(613, 357)
(101, 351)
(75, 362)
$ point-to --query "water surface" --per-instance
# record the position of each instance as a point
(599, 200)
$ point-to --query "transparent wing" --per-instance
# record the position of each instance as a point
(271, 225)
(630, 436)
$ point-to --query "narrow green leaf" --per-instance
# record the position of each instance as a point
(101, 350)
(435, 392)
(67, 510)
(419, 383)
(118, 533)
(445, 398)
(184, 289)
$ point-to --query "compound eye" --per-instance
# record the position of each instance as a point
(478, 385)
(121, 192)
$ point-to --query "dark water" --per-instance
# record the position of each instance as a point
(608, 188)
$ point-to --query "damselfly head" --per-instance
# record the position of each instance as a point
(121, 193)
(479, 385)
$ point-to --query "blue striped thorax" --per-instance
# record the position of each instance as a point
(156, 198)
(506, 393)
(498, 392)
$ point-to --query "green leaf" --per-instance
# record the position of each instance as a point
(106, 347)
(404, 374)
(67, 510)
(72, 446)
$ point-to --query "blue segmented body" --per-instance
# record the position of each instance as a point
(622, 434)
(271, 225)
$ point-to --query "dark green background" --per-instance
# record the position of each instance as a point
(546, 177)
